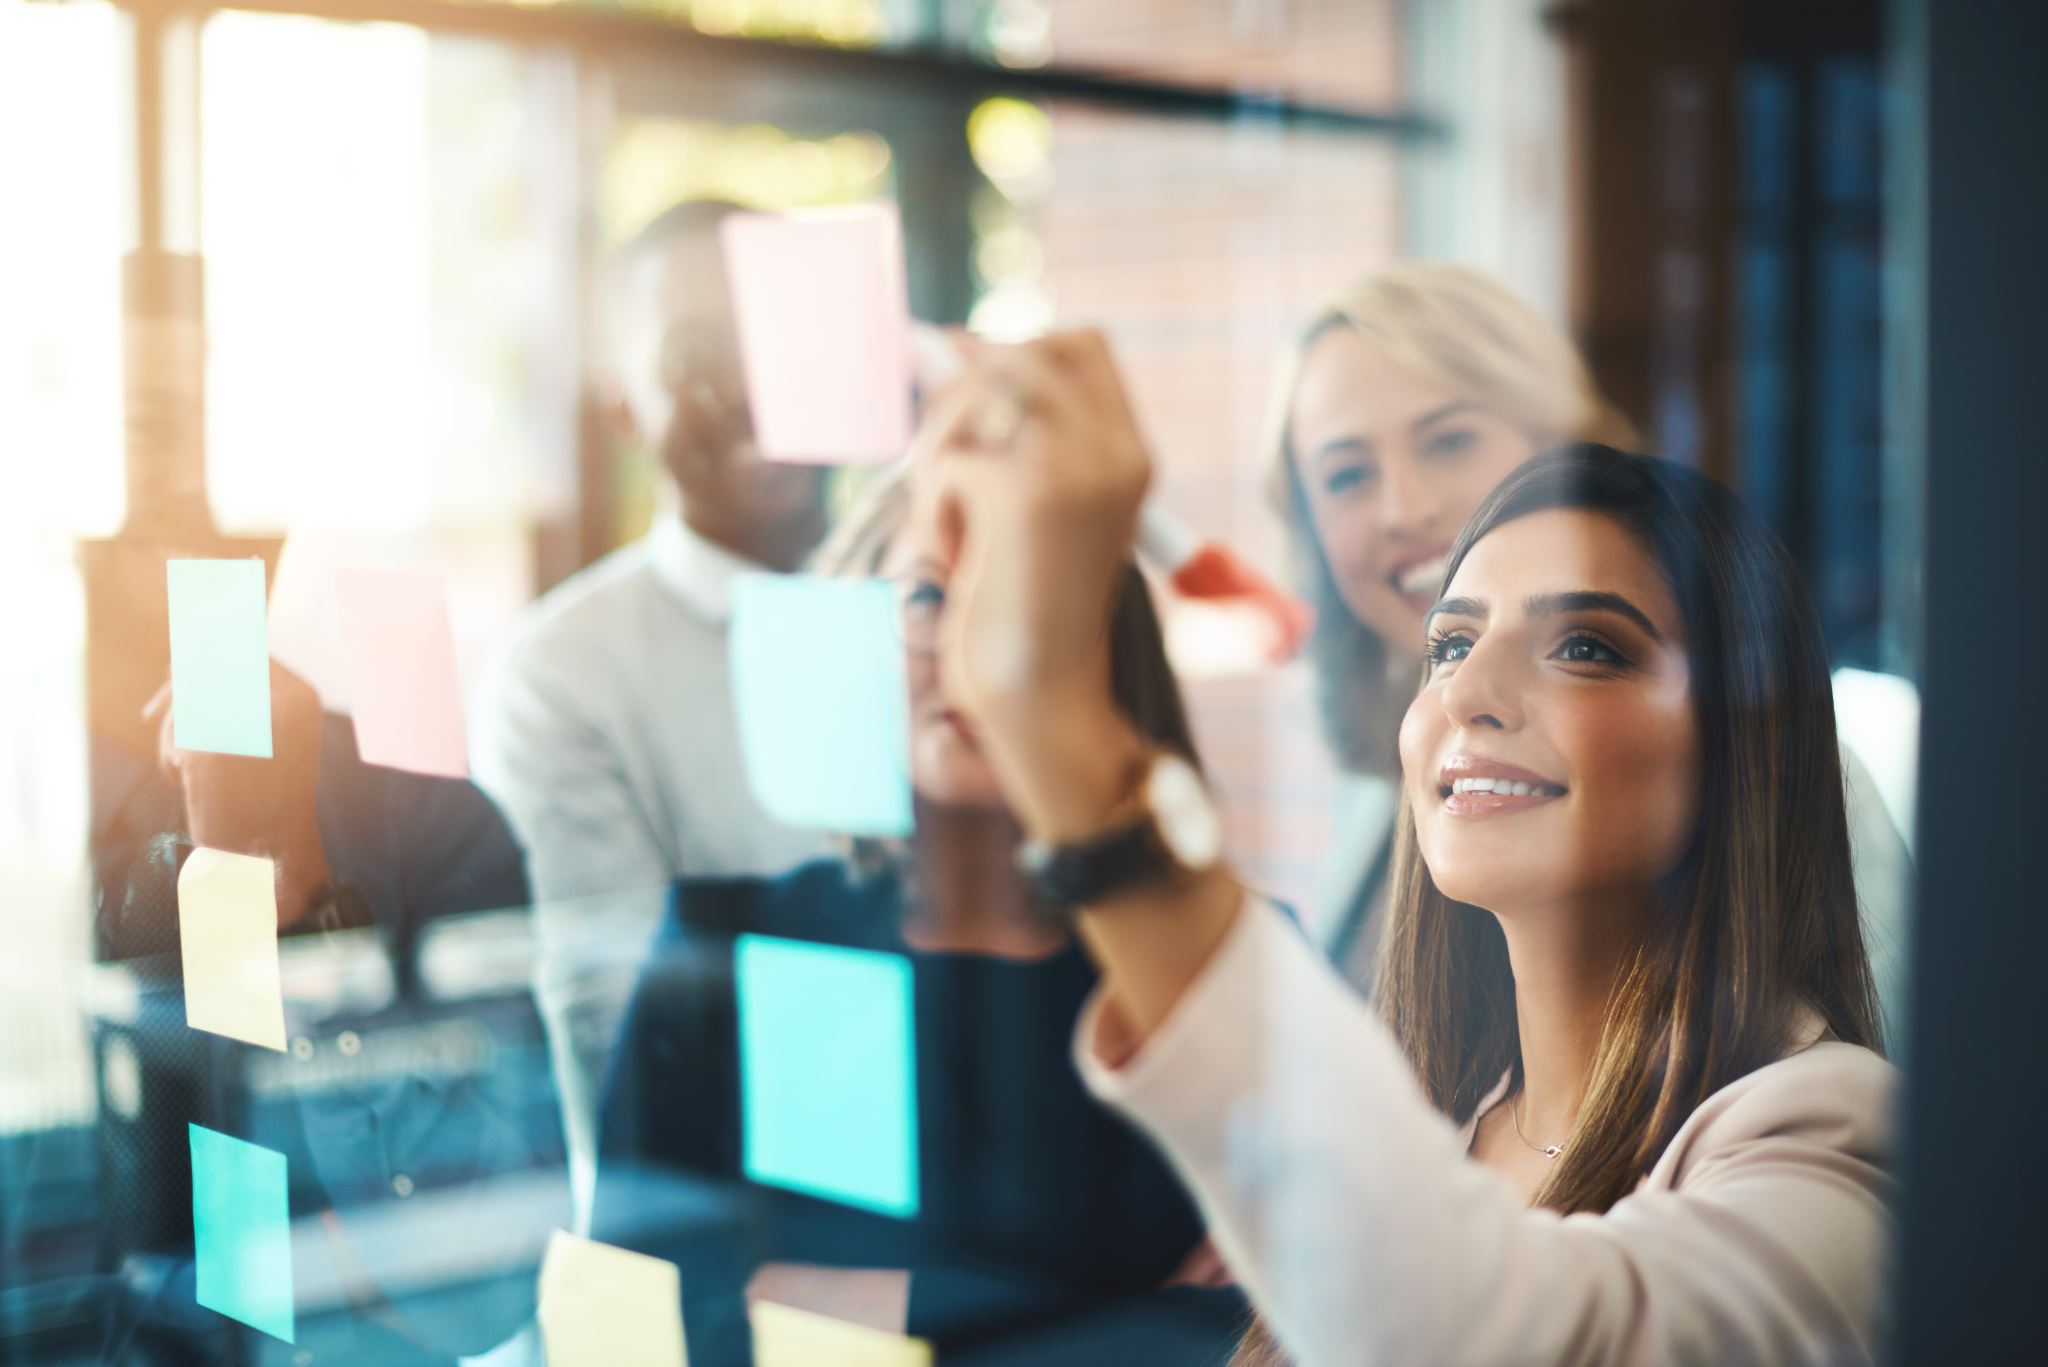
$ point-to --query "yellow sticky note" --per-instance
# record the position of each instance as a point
(227, 931)
(788, 1337)
(606, 1307)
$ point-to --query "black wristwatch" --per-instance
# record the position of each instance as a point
(1172, 831)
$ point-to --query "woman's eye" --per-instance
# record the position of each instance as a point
(1445, 650)
(1345, 478)
(923, 596)
(1588, 650)
(1451, 441)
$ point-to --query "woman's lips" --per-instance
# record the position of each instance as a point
(1472, 785)
(1420, 578)
(1496, 804)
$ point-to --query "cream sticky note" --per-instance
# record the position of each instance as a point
(227, 935)
(787, 1337)
(403, 689)
(607, 1307)
(220, 657)
(824, 329)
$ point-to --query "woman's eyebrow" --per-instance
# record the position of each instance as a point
(1588, 600)
(1442, 411)
(1346, 445)
(1456, 607)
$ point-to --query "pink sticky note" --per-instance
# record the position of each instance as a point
(824, 327)
(401, 661)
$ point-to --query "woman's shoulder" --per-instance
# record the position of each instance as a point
(1827, 1098)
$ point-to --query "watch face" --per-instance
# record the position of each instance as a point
(1183, 814)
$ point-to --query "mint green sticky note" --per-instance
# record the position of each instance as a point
(823, 708)
(241, 1228)
(220, 657)
(828, 1072)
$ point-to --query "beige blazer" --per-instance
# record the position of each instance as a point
(1346, 1204)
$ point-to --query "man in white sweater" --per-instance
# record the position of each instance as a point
(606, 731)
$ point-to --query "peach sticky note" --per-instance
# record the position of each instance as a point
(227, 935)
(824, 329)
(403, 689)
(607, 1307)
(787, 1337)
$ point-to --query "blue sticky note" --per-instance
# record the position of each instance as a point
(828, 1072)
(241, 1226)
(220, 657)
(823, 708)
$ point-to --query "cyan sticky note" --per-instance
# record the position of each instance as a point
(241, 1226)
(220, 657)
(823, 709)
(828, 1072)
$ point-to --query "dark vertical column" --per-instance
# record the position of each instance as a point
(1651, 86)
(1975, 1259)
(936, 181)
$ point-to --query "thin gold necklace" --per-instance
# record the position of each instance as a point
(1547, 1150)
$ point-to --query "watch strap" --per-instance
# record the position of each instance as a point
(1072, 875)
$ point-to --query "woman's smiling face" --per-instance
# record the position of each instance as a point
(1553, 752)
(1392, 464)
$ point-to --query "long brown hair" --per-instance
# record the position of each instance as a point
(1755, 931)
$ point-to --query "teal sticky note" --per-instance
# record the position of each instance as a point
(220, 657)
(241, 1227)
(828, 1072)
(822, 703)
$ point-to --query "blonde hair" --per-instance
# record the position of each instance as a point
(1464, 330)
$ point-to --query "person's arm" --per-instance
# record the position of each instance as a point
(1341, 1198)
(547, 760)
(262, 807)
(1346, 1204)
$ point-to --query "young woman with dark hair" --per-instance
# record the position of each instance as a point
(1622, 1100)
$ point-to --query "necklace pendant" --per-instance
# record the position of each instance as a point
(1552, 1150)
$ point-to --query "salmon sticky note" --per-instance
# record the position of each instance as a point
(220, 657)
(403, 689)
(227, 936)
(824, 331)
(241, 1230)
(828, 1072)
(822, 701)
(787, 1337)
(608, 1307)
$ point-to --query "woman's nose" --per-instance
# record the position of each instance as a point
(1408, 505)
(1484, 693)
